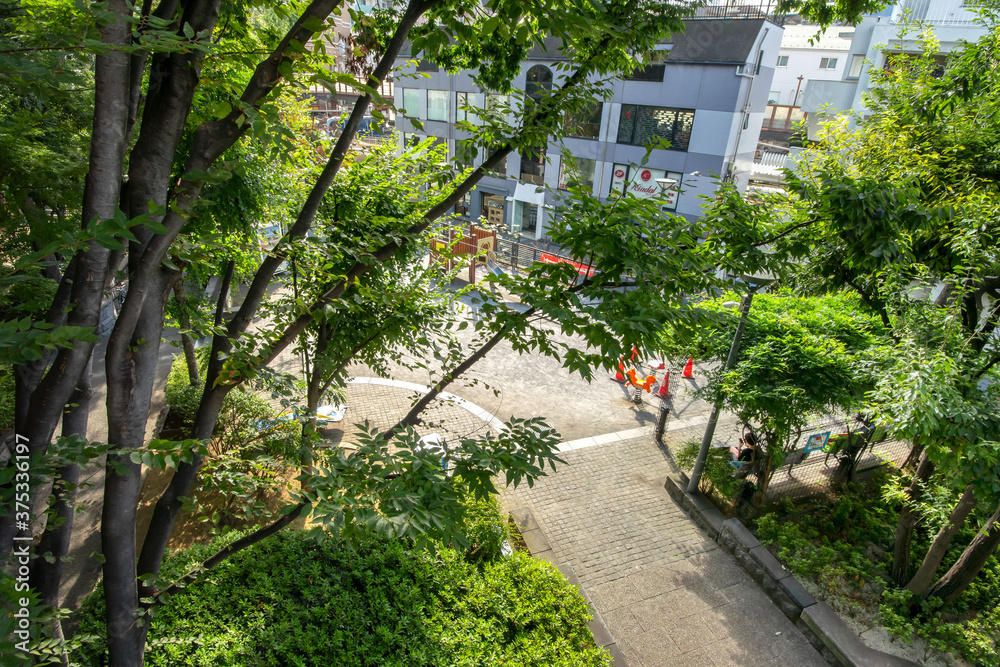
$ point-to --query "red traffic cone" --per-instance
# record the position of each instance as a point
(664, 390)
(689, 368)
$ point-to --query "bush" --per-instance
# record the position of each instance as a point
(183, 398)
(240, 419)
(292, 601)
(718, 469)
(844, 546)
(485, 528)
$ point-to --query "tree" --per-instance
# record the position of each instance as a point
(799, 357)
(902, 211)
(155, 146)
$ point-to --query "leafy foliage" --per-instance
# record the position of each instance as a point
(293, 600)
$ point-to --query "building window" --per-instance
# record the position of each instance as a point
(499, 170)
(580, 170)
(782, 61)
(492, 209)
(533, 166)
(462, 100)
(774, 97)
(496, 104)
(411, 101)
(828, 63)
(538, 82)
(654, 71)
(437, 105)
(464, 206)
(586, 124)
(465, 153)
(855, 69)
(411, 140)
(640, 125)
(424, 65)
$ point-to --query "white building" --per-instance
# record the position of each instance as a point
(804, 58)
(876, 38)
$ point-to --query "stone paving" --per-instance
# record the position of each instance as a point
(667, 592)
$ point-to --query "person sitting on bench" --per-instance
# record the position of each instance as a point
(747, 450)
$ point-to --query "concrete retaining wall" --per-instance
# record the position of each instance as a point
(821, 625)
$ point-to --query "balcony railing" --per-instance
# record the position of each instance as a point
(729, 9)
(939, 13)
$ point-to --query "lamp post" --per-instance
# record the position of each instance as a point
(713, 418)
(664, 412)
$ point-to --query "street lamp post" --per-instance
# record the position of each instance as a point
(713, 418)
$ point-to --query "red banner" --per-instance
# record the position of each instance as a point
(582, 269)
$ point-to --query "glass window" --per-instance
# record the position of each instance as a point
(492, 209)
(782, 61)
(639, 125)
(424, 65)
(529, 218)
(538, 82)
(465, 153)
(410, 140)
(496, 103)
(577, 169)
(411, 101)
(533, 166)
(774, 97)
(654, 71)
(855, 70)
(437, 105)
(828, 63)
(464, 206)
(463, 100)
(499, 170)
(586, 124)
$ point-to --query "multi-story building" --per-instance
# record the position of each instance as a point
(877, 38)
(806, 54)
(704, 95)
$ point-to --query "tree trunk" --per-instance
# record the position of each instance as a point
(46, 576)
(169, 504)
(187, 343)
(964, 571)
(925, 575)
(100, 201)
(908, 521)
(130, 387)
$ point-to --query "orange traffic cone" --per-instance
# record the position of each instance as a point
(618, 377)
(664, 390)
(689, 368)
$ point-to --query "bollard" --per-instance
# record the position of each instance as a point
(661, 422)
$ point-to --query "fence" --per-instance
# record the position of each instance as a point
(815, 472)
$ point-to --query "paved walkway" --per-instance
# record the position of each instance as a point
(667, 592)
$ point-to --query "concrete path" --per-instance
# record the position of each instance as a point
(667, 592)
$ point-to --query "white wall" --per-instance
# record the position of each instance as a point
(804, 59)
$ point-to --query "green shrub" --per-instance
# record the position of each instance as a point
(485, 528)
(292, 601)
(718, 467)
(183, 398)
(844, 545)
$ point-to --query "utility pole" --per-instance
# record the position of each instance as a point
(706, 441)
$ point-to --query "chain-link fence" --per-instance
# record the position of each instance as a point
(830, 451)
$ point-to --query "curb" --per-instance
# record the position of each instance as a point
(539, 547)
(820, 624)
